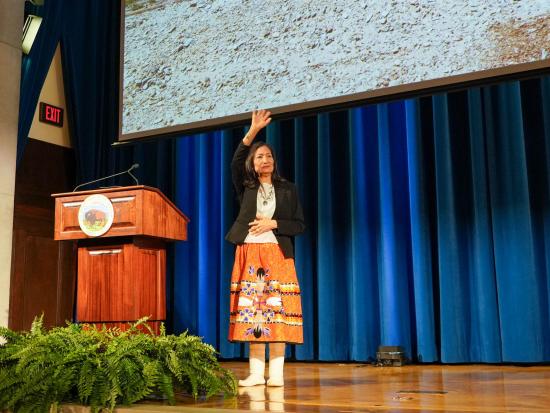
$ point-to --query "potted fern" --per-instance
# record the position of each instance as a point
(39, 370)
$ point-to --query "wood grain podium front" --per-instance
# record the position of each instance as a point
(121, 274)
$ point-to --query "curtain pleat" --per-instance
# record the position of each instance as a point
(517, 274)
(451, 242)
(426, 348)
(304, 162)
(332, 314)
(544, 212)
(363, 307)
(392, 228)
(484, 299)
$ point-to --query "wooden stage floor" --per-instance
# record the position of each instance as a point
(327, 387)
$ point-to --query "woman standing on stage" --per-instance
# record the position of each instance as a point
(265, 304)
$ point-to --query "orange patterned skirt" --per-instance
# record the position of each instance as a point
(265, 299)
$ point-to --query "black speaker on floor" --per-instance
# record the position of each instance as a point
(390, 356)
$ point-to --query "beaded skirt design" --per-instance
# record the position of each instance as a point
(265, 303)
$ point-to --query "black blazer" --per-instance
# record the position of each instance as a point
(288, 211)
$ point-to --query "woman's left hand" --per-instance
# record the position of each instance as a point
(261, 225)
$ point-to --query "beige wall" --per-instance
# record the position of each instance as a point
(54, 94)
(11, 28)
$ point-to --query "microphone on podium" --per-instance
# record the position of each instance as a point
(128, 171)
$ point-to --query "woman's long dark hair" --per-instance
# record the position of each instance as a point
(250, 176)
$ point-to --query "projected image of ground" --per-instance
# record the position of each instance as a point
(193, 60)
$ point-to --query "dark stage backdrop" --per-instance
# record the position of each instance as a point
(428, 219)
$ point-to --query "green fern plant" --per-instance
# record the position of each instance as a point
(104, 368)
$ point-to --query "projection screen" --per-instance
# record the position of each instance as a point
(193, 65)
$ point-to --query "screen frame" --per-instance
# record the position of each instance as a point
(391, 93)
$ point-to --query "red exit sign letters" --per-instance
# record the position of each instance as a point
(51, 114)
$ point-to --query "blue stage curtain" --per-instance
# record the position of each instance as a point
(428, 226)
(89, 46)
(35, 65)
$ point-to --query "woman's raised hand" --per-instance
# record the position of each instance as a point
(260, 119)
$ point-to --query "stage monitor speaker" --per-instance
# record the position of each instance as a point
(390, 356)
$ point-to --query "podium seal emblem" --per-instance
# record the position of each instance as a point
(95, 215)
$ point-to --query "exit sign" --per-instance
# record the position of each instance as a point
(51, 114)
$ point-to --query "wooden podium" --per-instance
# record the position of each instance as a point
(121, 274)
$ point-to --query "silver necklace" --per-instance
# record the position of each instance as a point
(266, 196)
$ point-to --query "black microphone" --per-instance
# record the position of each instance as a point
(134, 166)
(129, 172)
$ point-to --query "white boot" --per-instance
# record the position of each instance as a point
(276, 364)
(257, 366)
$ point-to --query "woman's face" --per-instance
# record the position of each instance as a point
(263, 161)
